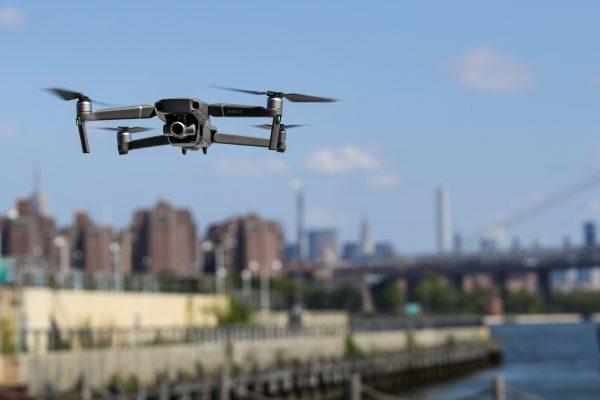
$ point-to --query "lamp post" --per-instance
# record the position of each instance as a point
(246, 284)
(63, 257)
(115, 249)
(297, 307)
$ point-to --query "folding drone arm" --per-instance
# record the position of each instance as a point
(153, 141)
(129, 112)
(225, 138)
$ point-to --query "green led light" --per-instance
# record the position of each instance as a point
(278, 119)
(77, 121)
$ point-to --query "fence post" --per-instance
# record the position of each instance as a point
(225, 381)
(499, 388)
(355, 386)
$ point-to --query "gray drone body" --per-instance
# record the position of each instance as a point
(187, 121)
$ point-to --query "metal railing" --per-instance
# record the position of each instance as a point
(55, 339)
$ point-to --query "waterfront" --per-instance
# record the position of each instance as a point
(554, 362)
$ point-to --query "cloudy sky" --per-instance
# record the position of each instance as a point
(498, 102)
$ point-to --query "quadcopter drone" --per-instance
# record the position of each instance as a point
(187, 123)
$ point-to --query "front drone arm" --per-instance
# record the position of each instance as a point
(129, 112)
(85, 113)
(240, 140)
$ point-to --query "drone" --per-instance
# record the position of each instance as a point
(187, 121)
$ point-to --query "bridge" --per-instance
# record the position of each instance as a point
(499, 267)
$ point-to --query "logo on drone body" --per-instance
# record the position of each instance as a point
(234, 111)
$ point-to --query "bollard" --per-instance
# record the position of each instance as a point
(355, 386)
(499, 388)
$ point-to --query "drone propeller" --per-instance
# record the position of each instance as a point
(284, 126)
(68, 95)
(294, 97)
(134, 129)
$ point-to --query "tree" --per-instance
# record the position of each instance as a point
(236, 313)
(389, 298)
(436, 296)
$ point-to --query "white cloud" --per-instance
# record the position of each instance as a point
(383, 181)
(245, 168)
(11, 17)
(339, 160)
(484, 69)
(9, 132)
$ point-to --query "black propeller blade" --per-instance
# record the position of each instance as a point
(284, 126)
(294, 97)
(68, 95)
(134, 129)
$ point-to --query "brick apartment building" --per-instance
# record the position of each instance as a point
(164, 240)
(89, 245)
(243, 240)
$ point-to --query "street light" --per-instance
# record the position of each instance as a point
(246, 276)
(63, 257)
(115, 249)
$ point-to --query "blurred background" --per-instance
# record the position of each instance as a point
(432, 235)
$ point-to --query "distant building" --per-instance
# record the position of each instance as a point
(323, 245)
(589, 234)
(366, 244)
(164, 241)
(291, 252)
(384, 251)
(28, 236)
(124, 240)
(351, 251)
(247, 242)
(457, 243)
(89, 244)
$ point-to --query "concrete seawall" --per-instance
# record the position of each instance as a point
(98, 366)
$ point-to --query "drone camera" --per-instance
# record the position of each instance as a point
(179, 129)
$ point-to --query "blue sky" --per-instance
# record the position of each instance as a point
(499, 102)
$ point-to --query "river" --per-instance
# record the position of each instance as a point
(553, 362)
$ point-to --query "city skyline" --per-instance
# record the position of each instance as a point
(502, 116)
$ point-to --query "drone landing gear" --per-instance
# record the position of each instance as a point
(183, 151)
(205, 150)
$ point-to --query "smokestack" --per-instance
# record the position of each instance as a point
(444, 229)
(298, 187)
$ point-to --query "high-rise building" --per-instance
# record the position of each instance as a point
(444, 225)
(323, 245)
(366, 244)
(164, 241)
(384, 251)
(28, 236)
(350, 251)
(89, 244)
(589, 234)
(248, 242)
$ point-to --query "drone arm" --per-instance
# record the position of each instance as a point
(129, 112)
(152, 141)
(240, 140)
(237, 110)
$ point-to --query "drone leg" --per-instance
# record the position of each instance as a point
(274, 140)
(205, 150)
(85, 147)
(183, 151)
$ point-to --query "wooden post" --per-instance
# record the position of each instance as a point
(225, 381)
(499, 388)
(355, 387)
(164, 390)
